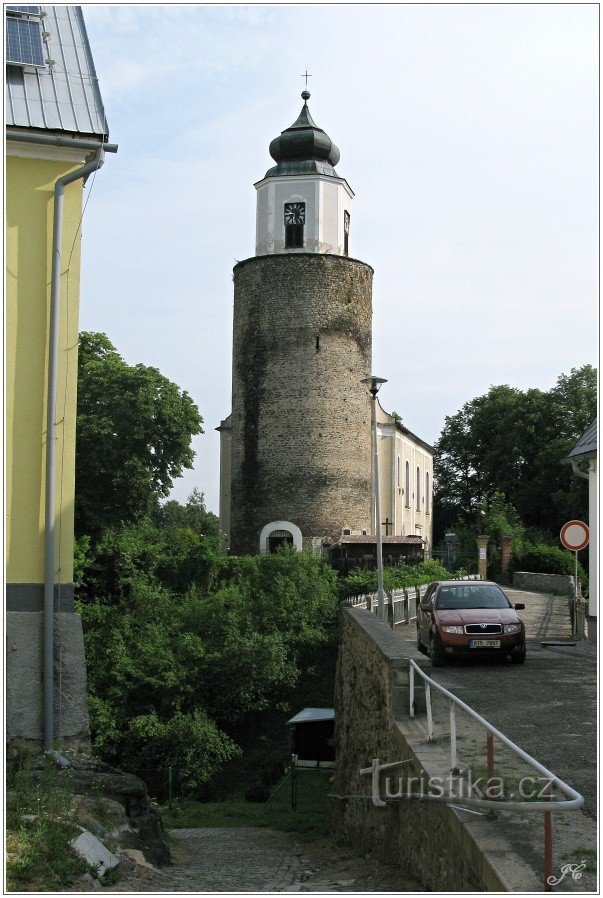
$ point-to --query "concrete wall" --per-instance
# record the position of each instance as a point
(24, 721)
(300, 415)
(448, 850)
(557, 584)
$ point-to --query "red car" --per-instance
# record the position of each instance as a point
(469, 618)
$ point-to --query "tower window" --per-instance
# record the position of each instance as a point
(295, 219)
(346, 232)
(407, 485)
(418, 489)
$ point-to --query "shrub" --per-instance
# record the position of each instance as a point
(257, 794)
(359, 582)
(543, 559)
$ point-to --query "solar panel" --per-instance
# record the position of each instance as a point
(24, 42)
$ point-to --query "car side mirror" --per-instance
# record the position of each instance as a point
(424, 607)
(519, 606)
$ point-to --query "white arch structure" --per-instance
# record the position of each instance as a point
(293, 529)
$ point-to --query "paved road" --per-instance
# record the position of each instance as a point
(262, 860)
(547, 706)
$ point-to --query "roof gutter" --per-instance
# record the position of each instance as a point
(53, 352)
(56, 140)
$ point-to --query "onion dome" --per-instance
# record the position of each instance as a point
(304, 148)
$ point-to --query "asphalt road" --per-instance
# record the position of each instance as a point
(548, 707)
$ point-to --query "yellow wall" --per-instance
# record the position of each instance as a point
(29, 210)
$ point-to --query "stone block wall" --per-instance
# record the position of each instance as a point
(24, 666)
(436, 843)
(557, 584)
(301, 438)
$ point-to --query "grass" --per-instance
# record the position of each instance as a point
(39, 856)
(310, 820)
(583, 855)
(40, 859)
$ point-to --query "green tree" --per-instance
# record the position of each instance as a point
(513, 442)
(134, 430)
(193, 515)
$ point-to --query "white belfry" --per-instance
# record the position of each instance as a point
(302, 203)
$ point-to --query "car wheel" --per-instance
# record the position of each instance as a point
(436, 652)
(520, 658)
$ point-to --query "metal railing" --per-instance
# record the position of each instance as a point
(573, 799)
(401, 605)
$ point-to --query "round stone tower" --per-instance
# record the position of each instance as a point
(299, 434)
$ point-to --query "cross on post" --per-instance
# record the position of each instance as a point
(387, 524)
(306, 76)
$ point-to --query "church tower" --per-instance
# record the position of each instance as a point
(295, 453)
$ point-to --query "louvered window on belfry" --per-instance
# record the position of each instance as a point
(295, 219)
(346, 232)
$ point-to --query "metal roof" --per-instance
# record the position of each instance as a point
(64, 95)
(587, 444)
(313, 715)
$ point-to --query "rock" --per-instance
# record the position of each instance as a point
(28, 818)
(94, 852)
(139, 859)
(121, 794)
(345, 882)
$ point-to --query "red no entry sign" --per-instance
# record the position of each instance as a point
(575, 535)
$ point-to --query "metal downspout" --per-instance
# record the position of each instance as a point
(53, 352)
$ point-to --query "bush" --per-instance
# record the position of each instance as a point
(257, 794)
(191, 653)
(543, 559)
(359, 582)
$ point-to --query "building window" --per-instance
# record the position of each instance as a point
(407, 486)
(398, 471)
(426, 492)
(295, 219)
(418, 489)
(346, 232)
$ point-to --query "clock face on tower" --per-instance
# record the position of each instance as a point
(295, 213)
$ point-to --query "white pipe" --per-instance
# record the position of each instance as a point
(49, 512)
(575, 800)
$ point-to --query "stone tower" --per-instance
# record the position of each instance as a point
(295, 458)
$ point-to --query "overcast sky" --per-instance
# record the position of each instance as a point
(468, 133)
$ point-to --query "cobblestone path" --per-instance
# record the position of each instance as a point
(262, 860)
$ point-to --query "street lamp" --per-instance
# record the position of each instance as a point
(373, 384)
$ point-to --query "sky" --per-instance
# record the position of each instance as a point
(467, 132)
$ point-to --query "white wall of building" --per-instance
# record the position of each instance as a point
(408, 506)
(326, 200)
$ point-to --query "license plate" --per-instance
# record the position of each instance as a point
(484, 644)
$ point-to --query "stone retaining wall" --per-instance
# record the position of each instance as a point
(448, 850)
(556, 584)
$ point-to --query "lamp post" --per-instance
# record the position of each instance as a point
(374, 383)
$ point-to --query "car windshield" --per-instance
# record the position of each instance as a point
(474, 595)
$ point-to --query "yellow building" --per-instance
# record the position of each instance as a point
(56, 136)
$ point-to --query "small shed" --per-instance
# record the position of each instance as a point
(313, 737)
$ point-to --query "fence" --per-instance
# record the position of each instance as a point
(401, 605)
